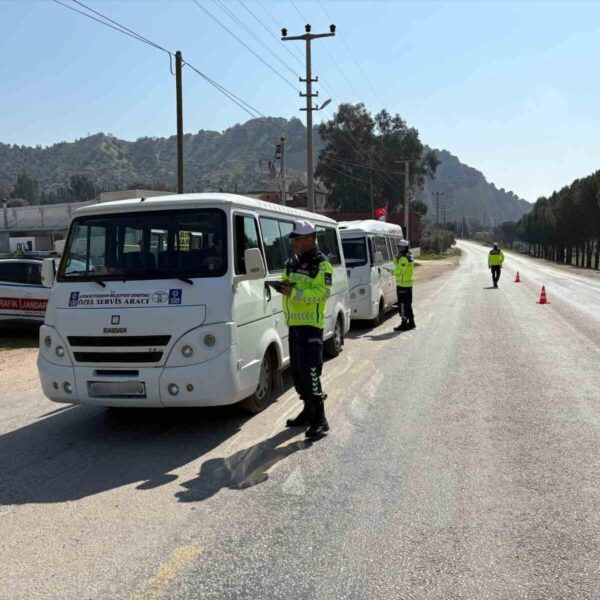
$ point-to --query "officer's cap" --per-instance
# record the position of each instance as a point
(302, 229)
(402, 243)
(495, 244)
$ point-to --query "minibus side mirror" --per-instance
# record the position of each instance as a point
(378, 259)
(48, 272)
(255, 266)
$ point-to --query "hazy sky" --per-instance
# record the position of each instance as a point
(511, 88)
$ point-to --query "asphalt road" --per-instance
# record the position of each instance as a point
(463, 462)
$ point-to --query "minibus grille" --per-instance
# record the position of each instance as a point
(118, 341)
(118, 357)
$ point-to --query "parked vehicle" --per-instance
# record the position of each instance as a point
(23, 298)
(369, 247)
(163, 302)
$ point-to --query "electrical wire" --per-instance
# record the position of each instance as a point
(350, 51)
(221, 24)
(249, 31)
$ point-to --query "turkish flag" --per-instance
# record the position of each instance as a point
(381, 213)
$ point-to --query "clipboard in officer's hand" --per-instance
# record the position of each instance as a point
(278, 285)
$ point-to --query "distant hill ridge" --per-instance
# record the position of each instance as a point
(229, 160)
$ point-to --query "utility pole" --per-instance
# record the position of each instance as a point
(406, 199)
(437, 213)
(308, 37)
(280, 154)
(178, 66)
(371, 185)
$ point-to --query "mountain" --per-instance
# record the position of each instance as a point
(468, 193)
(229, 160)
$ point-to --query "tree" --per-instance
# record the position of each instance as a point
(26, 187)
(364, 153)
(81, 188)
(419, 207)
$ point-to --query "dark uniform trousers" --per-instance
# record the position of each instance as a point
(405, 303)
(496, 270)
(306, 360)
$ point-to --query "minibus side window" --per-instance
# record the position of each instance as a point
(246, 237)
(275, 249)
(381, 246)
(328, 244)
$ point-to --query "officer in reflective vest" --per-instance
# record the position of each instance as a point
(306, 287)
(404, 266)
(495, 260)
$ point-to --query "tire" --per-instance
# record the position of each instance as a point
(378, 320)
(333, 346)
(263, 395)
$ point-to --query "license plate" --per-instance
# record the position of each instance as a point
(116, 389)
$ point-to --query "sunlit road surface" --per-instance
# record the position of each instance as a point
(463, 462)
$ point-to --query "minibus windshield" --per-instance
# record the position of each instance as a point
(146, 245)
(355, 252)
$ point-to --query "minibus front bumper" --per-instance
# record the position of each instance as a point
(211, 383)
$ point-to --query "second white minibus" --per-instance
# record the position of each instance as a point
(162, 302)
(369, 247)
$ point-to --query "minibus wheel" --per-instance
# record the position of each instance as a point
(264, 392)
(333, 346)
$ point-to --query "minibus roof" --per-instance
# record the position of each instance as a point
(183, 201)
(369, 226)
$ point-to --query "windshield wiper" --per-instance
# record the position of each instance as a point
(184, 279)
(87, 274)
(98, 282)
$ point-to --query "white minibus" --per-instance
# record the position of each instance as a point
(162, 301)
(369, 247)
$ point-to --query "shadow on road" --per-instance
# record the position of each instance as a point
(383, 336)
(77, 451)
(82, 451)
(244, 469)
(491, 287)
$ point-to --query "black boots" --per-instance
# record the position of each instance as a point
(318, 423)
(404, 326)
(411, 324)
(302, 419)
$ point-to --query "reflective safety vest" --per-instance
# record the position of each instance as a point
(312, 276)
(495, 257)
(404, 267)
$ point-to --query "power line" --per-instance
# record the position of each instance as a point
(298, 55)
(286, 47)
(224, 8)
(221, 24)
(245, 106)
(350, 51)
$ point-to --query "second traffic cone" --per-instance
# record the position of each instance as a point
(517, 278)
(543, 299)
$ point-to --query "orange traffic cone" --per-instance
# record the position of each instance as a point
(543, 299)
(517, 278)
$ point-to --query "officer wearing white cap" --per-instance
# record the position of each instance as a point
(404, 266)
(306, 287)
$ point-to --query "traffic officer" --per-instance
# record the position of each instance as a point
(495, 260)
(404, 266)
(306, 287)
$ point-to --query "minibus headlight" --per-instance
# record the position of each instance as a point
(210, 339)
(48, 341)
(173, 389)
(187, 351)
(60, 351)
(68, 387)
(362, 291)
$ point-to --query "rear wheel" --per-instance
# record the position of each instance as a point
(264, 392)
(333, 346)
